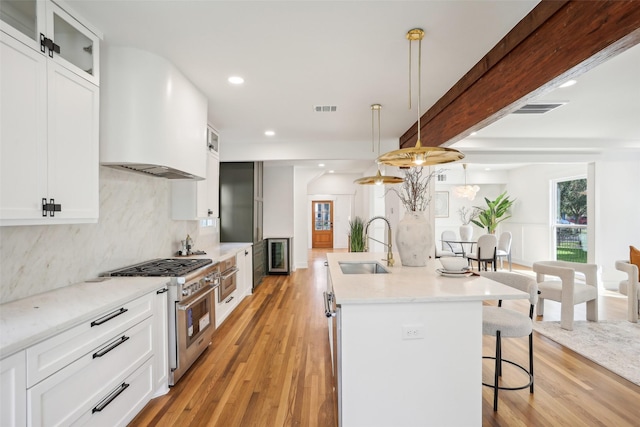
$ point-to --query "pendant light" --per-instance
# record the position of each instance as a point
(378, 179)
(419, 155)
(466, 191)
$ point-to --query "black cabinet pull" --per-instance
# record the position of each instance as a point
(110, 398)
(50, 207)
(162, 291)
(107, 349)
(108, 317)
(48, 43)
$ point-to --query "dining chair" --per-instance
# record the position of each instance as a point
(504, 248)
(567, 290)
(631, 288)
(485, 251)
(449, 243)
(503, 322)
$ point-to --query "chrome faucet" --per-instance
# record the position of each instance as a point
(390, 260)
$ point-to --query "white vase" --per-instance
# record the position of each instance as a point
(414, 239)
(466, 232)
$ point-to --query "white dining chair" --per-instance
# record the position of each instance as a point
(485, 251)
(504, 248)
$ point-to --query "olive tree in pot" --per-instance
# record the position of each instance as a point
(356, 235)
(494, 213)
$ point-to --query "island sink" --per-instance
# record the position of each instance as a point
(362, 267)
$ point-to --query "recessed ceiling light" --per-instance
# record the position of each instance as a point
(487, 169)
(321, 165)
(568, 83)
(331, 171)
(269, 133)
(235, 80)
(473, 133)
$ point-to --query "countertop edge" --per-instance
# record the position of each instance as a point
(53, 318)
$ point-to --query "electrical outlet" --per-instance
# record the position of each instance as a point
(412, 332)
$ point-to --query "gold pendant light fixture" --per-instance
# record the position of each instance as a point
(378, 179)
(419, 155)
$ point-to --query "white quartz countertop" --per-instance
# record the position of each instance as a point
(409, 284)
(27, 321)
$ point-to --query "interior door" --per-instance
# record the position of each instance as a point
(322, 224)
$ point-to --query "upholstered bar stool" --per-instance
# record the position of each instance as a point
(502, 322)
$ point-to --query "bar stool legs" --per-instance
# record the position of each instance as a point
(498, 370)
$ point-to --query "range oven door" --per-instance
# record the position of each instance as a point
(195, 322)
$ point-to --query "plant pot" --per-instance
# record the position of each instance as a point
(414, 239)
(466, 232)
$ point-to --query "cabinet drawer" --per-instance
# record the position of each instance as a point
(65, 396)
(50, 356)
(121, 404)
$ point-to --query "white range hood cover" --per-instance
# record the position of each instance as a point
(152, 119)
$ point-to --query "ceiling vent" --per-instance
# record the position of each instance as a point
(540, 108)
(325, 108)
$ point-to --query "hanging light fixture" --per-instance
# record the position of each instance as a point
(466, 191)
(378, 179)
(419, 155)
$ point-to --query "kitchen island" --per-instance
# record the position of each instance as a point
(407, 344)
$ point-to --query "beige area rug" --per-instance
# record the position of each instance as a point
(612, 345)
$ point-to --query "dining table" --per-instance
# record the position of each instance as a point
(471, 243)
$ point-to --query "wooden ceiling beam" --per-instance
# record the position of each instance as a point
(556, 41)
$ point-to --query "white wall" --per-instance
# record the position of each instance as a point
(278, 201)
(617, 213)
(134, 226)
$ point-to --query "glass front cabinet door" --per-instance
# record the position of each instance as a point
(48, 28)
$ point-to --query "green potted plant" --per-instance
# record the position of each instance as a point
(356, 235)
(495, 212)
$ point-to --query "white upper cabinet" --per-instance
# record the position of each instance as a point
(48, 28)
(49, 127)
(192, 200)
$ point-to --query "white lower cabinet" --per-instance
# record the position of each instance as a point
(98, 373)
(13, 397)
(225, 307)
(83, 386)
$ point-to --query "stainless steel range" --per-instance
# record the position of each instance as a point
(191, 305)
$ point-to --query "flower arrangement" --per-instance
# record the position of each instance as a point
(468, 215)
(413, 192)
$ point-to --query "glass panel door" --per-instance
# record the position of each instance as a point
(570, 214)
(20, 20)
(323, 216)
(78, 46)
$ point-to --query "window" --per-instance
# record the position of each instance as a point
(570, 214)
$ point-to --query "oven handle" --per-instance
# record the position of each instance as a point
(192, 303)
(230, 272)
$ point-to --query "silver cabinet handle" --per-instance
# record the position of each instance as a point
(195, 301)
(328, 297)
(230, 272)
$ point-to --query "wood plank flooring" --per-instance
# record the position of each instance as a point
(269, 365)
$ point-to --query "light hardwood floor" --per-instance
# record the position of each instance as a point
(269, 365)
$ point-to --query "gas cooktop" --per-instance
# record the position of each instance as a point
(168, 267)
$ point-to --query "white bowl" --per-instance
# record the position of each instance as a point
(454, 263)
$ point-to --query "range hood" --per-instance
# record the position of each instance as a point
(153, 120)
(155, 170)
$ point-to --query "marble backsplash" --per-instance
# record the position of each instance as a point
(134, 226)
